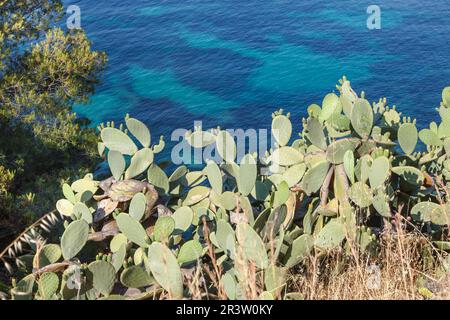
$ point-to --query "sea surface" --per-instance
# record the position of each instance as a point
(232, 63)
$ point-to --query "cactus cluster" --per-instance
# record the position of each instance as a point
(142, 232)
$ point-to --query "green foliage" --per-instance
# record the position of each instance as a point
(74, 238)
(379, 171)
(407, 137)
(353, 166)
(330, 236)
(362, 118)
(361, 194)
(48, 284)
(314, 177)
(103, 276)
(43, 72)
(136, 277)
(132, 229)
(281, 129)
(190, 252)
(165, 269)
(252, 245)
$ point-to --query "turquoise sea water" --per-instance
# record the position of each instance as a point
(232, 63)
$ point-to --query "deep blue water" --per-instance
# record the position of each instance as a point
(232, 63)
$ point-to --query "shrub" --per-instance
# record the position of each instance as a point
(235, 229)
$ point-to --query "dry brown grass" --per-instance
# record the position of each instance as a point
(400, 271)
(404, 268)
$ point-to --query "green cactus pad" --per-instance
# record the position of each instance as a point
(446, 96)
(132, 229)
(314, 110)
(24, 288)
(214, 175)
(275, 279)
(228, 200)
(330, 105)
(379, 172)
(183, 217)
(407, 137)
(64, 207)
(165, 269)
(314, 177)
(340, 185)
(164, 227)
(362, 168)
(81, 211)
(117, 241)
(195, 195)
(252, 245)
(157, 148)
(294, 174)
(409, 174)
(139, 256)
(84, 185)
(286, 156)
(179, 173)
(68, 193)
(103, 276)
(193, 178)
(226, 147)
(442, 245)
(85, 196)
(362, 118)
(429, 137)
(347, 105)
(140, 131)
(330, 236)
(138, 206)
(281, 129)
(330, 209)
(116, 163)
(190, 252)
(349, 165)
(247, 208)
(444, 112)
(229, 285)
(136, 277)
(200, 139)
(119, 256)
(158, 178)
(391, 117)
(299, 250)
(247, 175)
(74, 238)
(281, 195)
(140, 161)
(231, 169)
(116, 140)
(361, 194)
(431, 212)
(337, 150)
(444, 129)
(48, 285)
(381, 204)
(315, 133)
(226, 237)
(49, 254)
(365, 239)
(340, 123)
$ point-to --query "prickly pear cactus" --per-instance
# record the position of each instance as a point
(150, 227)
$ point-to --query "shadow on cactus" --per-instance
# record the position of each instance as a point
(144, 232)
